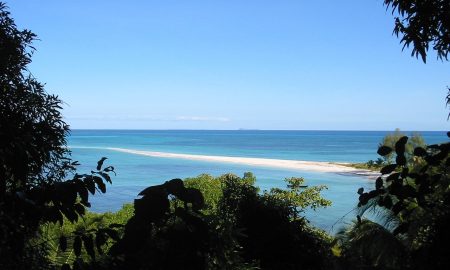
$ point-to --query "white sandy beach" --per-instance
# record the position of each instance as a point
(315, 166)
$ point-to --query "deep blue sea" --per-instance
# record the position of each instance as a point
(135, 172)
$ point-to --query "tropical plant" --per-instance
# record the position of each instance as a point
(415, 140)
(422, 23)
(416, 206)
(34, 159)
(273, 236)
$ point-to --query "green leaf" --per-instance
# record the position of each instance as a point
(384, 150)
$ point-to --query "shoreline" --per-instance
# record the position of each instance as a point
(315, 166)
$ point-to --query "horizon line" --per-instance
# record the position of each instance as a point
(249, 129)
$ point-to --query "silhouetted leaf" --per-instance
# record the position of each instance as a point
(420, 152)
(392, 177)
(397, 208)
(175, 187)
(400, 145)
(100, 184)
(115, 225)
(408, 191)
(78, 264)
(360, 191)
(440, 156)
(379, 183)
(195, 197)
(90, 184)
(63, 242)
(433, 146)
(405, 172)
(388, 168)
(152, 206)
(402, 228)
(65, 192)
(100, 240)
(364, 198)
(112, 233)
(387, 202)
(82, 191)
(400, 160)
(373, 193)
(152, 190)
(77, 245)
(79, 209)
(384, 150)
(109, 169)
(424, 169)
(70, 214)
(89, 245)
(100, 163)
(106, 177)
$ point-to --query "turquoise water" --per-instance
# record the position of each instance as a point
(134, 172)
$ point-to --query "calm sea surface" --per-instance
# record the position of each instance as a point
(135, 172)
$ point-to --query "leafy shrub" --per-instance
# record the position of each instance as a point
(415, 204)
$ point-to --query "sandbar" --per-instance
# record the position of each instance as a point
(315, 166)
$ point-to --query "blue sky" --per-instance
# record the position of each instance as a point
(326, 65)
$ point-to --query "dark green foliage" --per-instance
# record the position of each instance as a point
(417, 203)
(170, 230)
(270, 235)
(161, 237)
(368, 245)
(32, 145)
(33, 158)
(421, 23)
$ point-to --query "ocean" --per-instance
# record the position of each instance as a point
(135, 172)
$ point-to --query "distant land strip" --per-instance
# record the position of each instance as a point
(316, 166)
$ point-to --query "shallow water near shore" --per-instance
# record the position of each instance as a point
(135, 172)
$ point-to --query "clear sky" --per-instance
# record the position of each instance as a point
(254, 64)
